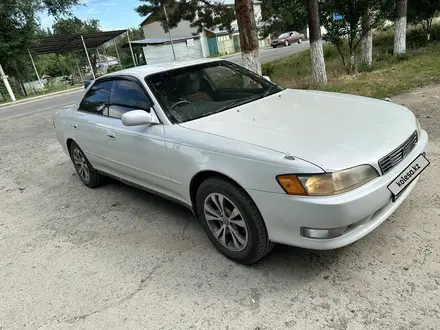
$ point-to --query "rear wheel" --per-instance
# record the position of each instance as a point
(286, 43)
(232, 221)
(300, 41)
(88, 175)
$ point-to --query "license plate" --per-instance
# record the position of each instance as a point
(408, 175)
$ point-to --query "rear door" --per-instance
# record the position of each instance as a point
(89, 126)
(294, 37)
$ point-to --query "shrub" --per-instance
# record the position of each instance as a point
(268, 69)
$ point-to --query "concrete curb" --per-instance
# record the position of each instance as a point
(41, 97)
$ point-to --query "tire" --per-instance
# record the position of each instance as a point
(300, 41)
(83, 166)
(286, 43)
(274, 46)
(252, 243)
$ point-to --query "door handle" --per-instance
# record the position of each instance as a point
(111, 136)
(75, 126)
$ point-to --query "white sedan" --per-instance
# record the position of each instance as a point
(256, 163)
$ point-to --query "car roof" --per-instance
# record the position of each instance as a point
(145, 70)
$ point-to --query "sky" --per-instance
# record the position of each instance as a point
(112, 14)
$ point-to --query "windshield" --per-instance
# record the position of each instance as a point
(197, 91)
(284, 35)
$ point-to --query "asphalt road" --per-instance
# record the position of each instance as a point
(56, 102)
(50, 103)
(272, 54)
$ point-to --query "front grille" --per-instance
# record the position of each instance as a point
(399, 154)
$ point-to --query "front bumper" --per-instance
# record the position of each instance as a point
(362, 209)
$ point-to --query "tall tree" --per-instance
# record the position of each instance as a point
(74, 25)
(423, 12)
(319, 75)
(201, 14)
(400, 25)
(65, 26)
(375, 11)
(281, 16)
(19, 29)
(250, 52)
(366, 56)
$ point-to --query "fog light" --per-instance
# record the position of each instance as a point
(322, 233)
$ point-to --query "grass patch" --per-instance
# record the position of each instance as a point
(390, 75)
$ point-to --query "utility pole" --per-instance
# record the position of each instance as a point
(169, 31)
(35, 68)
(88, 58)
(8, 87)
(131, 48)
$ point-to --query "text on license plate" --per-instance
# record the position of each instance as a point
(408, 175)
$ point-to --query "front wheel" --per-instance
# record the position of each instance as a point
(232, 221)
(300, 41)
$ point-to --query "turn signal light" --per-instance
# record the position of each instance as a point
(291, 185)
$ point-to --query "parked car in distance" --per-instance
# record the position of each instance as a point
(288, 38)
(256, 163)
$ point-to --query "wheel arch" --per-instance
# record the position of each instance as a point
(69, 142)
(201, 176)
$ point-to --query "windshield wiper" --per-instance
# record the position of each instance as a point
(266, 93)
(234, 102)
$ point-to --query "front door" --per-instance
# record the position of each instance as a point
(138, 151)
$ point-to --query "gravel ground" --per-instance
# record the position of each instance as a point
(119, 258)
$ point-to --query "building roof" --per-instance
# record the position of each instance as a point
(145, 70)
(158, 41)
(63, 43)
(146, 19)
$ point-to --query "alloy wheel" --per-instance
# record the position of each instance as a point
(81, 165)
(226, 222)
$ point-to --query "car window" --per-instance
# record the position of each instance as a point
(201, 90)
(224, 77)
(125, 96)
(96, 98)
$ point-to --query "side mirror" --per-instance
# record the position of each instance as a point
(137, 118)
(267, 78)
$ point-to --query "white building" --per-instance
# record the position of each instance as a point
(188, 41)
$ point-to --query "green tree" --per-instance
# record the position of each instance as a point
(201, 14)
(352, 20)
(19, 30)
(74, 25)
(423, 12)
(57, 64)
(282, 15)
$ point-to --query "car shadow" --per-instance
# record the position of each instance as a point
(282, 259)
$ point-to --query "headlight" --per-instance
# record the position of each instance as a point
(327, 184)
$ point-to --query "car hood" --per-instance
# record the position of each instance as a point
(333, 131)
